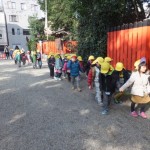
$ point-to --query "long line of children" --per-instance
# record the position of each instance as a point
(109, 83)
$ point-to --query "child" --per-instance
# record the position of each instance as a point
(89, 63)
(107, 86)
(64, 69)
(94, 76)
(121, 76)
(80, 62)
(34, 56)
(39, 59)
(68, 70)
(74, 67)
(140, 89)
(51, 64)
(109, 60)
(58, 67)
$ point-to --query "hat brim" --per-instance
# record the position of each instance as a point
(104, 71)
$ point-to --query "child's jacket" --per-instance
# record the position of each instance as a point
(74, 68)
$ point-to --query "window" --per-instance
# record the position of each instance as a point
(13, 31)
(23, 6)
(18, 31)
(26, 32)
(13, 18)
(34, 7)
(11, 5)
(1, 34)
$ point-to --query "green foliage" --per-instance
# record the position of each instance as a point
(31, 45)
(61, 15)
(36, 28)
(36, 31)
(88, 20)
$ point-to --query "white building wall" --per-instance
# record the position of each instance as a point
(22, 21)
(3, 39)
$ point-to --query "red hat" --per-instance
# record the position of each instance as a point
(74, 57)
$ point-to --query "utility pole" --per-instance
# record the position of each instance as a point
(46, 22)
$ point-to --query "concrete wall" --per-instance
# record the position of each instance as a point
(22, 23)
(3, 40)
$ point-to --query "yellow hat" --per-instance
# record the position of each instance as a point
(136, 64)
(108, 59)
(96, 61)
(79, 58)
(57, 55)
(50, 54)
(119, 66)
(105, 67)
(68, 57)
(72, 55)
(100, 59)
(91, 57)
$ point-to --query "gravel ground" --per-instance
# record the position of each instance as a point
(38, 113)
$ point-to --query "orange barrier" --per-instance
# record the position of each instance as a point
(50, 47)
(128, 43)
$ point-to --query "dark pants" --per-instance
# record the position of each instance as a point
(69, 77)
(142, 107)
(52, 71)
(106, 101)
(58, 75)
(7, 55)
(75, 79)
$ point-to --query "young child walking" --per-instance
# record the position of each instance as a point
(89, 63)
(51, 64)
(75, 68)
(58, 67)
(140, 89)
(68, 69)
(121, 75)
(93, 76)
(108, 86)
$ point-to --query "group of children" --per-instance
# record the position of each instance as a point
(69, 67)
(109, 83)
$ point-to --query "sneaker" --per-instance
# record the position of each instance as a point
(134, 114)
(55, 78)
(79, 90)
(104, 112)
(59, 79)
(143, 115)
(100, 103)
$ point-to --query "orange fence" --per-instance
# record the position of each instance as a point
(128, 43)
(51, 47)
(2, 56)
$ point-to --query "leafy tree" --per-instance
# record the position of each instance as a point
(88, 20)
(36, 27)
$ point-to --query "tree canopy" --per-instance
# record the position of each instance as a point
(88, 20)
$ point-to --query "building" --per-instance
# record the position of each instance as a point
(17, 13)
(3, 31)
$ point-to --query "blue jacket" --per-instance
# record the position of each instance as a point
(74, 68)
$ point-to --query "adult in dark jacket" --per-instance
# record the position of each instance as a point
(75, 68)
(51, 64)
(108, 85)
